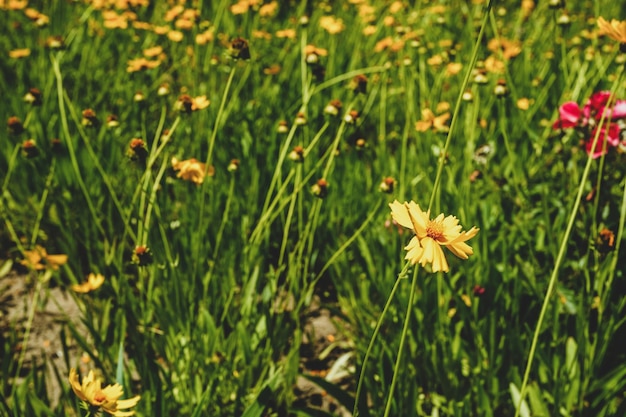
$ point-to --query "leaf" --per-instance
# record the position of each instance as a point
(515, 396)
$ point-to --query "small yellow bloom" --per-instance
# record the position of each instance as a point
(19, 53)
(192, 170)
(105, 399)
(94, 281)
(332, 25)
(39, 259)
(615, 30)
(429, 120)
(431, 235)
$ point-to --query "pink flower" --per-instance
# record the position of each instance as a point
(612, 139)
(590, 116)
(569, 116)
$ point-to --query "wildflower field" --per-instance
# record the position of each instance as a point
(313, 208)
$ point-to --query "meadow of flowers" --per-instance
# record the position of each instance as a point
(441, 181)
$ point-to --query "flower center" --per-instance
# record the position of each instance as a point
(434, 229)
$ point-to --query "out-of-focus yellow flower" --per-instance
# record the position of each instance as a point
(453, 68)
(153, 51)
(94, 281)
(175, 35)
(523, 103)
(510, 49)
(188, 104)
(286, 33)
(429, 120)
(269, 9)
(140, 64)
(39, 259)
(615, 30)
(105, 399)
(191, 170)
(312, 49)
(19, 53)
(332, 25)
(430, 235)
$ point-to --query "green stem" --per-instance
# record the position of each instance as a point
(370, 346)
(405, 332)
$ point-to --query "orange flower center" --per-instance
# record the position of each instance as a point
(99, 397)
(434, 229)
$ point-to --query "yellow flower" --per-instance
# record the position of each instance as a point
(431, 235)
(105, 399)
(332, 25)
(192, 170)
(39, 259)
(429, 120)
(94, 281)
(615, 30)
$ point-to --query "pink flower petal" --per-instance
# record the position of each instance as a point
(569, 116)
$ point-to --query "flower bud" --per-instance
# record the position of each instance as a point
(320, 188)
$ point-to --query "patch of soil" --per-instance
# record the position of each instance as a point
(51, 310)
(324, 353)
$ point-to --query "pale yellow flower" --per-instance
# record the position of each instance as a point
(429, 120)
(192, 170)
(332, 25)
(106, 399)
(94, 281)
(39, 259)
(615, 30)
(430, 235)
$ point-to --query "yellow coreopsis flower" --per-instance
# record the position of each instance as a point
(94, 281)
(431, 235)
(39, 259)
(615, 29)
(105, 399)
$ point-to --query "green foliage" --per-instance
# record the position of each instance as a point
(208, 286)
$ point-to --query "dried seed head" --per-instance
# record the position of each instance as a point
(184, 103)
(351, 117)
(297, 154)
(333, 107)
(500, 89)
(387, 185)
(320, 188)
(55, 42)
(29, 148)
(163, 90)
(283, 127)
(233, 165)
(112, 121)
(239, 49)
(300, 119)
(359, 84)
(15, 125)
(142, 255)
(34, 97)
(137, 150)
(89, 118)
(139, 97)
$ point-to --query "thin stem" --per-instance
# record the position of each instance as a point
(379, 322)
(405, 332)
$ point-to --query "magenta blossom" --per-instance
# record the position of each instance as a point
(589, 117)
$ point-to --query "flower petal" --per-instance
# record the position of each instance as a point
(400, 214)
(414, 250)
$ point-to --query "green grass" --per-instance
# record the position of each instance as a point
(212, 322)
